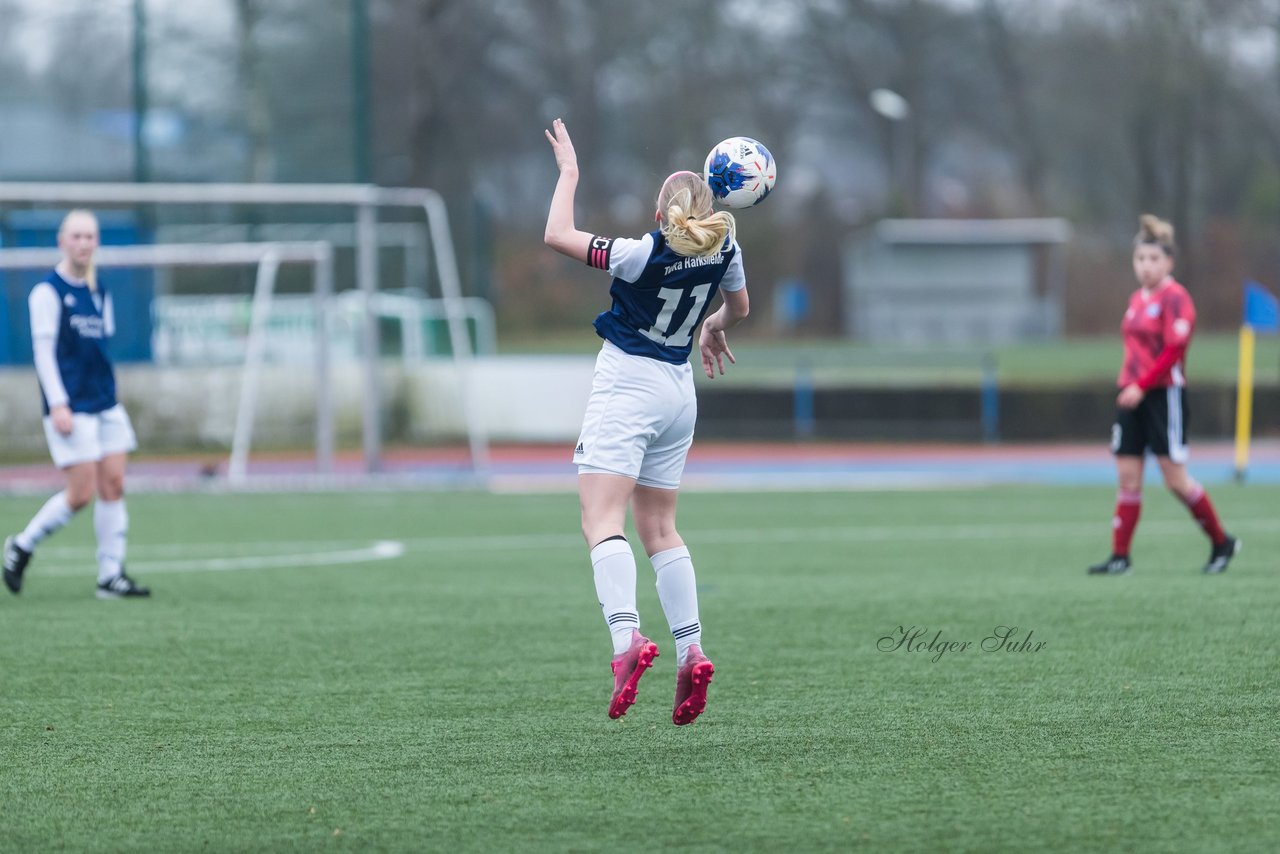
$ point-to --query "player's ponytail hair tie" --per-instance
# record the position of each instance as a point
(1154, 231)
(688, 223)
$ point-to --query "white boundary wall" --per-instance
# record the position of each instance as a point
(518, 399)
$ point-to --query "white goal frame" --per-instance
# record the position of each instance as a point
(267, 257)
(365, 200)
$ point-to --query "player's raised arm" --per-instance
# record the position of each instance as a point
(561, 234)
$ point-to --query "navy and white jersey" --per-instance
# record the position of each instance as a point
(70, 325)
(659, 296)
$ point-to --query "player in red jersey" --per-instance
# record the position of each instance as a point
(1151, 409)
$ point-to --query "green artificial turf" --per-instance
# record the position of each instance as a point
(453, 698)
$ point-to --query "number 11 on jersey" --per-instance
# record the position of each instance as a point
(670, 302)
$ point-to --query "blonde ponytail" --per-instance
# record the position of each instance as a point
(1155, 231)
(689, 225)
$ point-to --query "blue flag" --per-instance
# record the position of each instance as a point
(1260, 309)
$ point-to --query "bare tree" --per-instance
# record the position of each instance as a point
(1016, 79)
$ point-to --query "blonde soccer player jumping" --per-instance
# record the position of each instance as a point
(640, 417)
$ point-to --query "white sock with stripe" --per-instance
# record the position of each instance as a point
(678, 591)
(55, 513)
(614, 567)
(111, 524)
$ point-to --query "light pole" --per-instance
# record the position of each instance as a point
(360, 106)
(896, 110)
(141, 164)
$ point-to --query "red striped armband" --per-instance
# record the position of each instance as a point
(598, 252)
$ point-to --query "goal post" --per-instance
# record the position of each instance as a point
(365, 201)
(267, 257)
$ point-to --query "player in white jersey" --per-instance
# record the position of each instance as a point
(640, 417)
(87, 429)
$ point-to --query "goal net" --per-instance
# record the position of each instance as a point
(286, 344)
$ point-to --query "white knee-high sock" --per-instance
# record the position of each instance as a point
(614, 567)
(678, 590)
(55, 513)
(111, 524)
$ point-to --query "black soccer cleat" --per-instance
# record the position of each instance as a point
(1221, 555)
(1114, 565)
(121, 587)
(15, 559)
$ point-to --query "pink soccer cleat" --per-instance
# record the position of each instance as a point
(692, 679)
(627, 670)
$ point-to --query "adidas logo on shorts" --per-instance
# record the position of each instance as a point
(579, 450)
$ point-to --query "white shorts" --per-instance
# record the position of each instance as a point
(639, 420)
(94, 435)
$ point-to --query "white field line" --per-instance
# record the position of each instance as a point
(382, 550)
(838, 534)
(194, 557)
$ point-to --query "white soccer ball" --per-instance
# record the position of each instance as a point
(740, 172)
